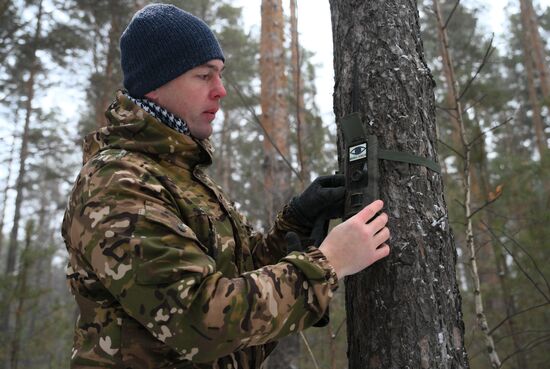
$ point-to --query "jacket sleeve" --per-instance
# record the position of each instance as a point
(269, 248)
(130, 233)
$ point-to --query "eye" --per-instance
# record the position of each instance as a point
(358, 150)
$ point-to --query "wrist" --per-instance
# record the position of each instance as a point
(331, 260)
(330, 273)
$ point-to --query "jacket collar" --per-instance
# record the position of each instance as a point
(132, 128)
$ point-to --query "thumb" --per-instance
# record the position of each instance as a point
(334, 194)
(334, 180)
(292, 242)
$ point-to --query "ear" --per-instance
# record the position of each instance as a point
(153, 96)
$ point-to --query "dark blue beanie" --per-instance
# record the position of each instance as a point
(161, 43)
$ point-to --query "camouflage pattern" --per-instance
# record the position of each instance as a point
(166, 273)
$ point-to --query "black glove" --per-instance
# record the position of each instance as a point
(324, 197)
(293, 242)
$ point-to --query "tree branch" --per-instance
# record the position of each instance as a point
(486, 57)
(530, 257)
(516, 314)
(517, 261)
(450, 148)
(490, 130)
(257, 120)
(451, 14)
(483, 206)
(309, 350)
(528, 331)
(338, 329)
(529, 346)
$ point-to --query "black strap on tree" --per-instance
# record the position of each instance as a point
(405, 157)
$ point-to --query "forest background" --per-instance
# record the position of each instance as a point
(60, 69)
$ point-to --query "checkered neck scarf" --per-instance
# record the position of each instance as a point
(161, 114)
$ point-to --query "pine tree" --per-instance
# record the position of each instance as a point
(274, 108)
(102, 23)
(405, 311)
(25, 75)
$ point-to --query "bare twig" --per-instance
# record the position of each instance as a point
(257, 120)
(482, 134)
(539, 271)
(486, 57)
(451, 14)
(451, 148)
(474, 103)
(528, 331)
(447, 111)
(529, 346)
(338, 329)
(516, 314)
(309, 350)
(520, 267)
(483, 206)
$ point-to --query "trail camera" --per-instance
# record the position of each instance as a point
(361, 166)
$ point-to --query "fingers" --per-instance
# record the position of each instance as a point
(368, 212)
(378, 223)
(382, 251)
(293, 242)
(338, 180)
(335, 193)
(381, 236)
(335, 180)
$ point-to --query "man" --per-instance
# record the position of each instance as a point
(165, 271)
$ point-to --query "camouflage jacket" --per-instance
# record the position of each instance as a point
(164, 270)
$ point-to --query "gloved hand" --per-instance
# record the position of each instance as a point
(293, 242)
(324, 197)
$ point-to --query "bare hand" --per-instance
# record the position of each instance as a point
(354, 245)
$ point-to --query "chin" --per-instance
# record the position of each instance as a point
(200, 129)
(202, 135)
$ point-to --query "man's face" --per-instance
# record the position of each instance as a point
(194, 97)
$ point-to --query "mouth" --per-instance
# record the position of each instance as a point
(211, 112)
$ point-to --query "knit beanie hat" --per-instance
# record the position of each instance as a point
(161, 43)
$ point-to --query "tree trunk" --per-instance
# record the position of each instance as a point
(332, 346)
(538, 50)
(19, 186)
(110, 83)
(404, 311)
(511, 310)
(274, 121)
(4, 4)
(451, 111)
(297, 83)
(21, 291)
(274, 107)
(226, 150)
(5, 194)
(42, 258)
(529, 63)
(468, 186)
(12, 251)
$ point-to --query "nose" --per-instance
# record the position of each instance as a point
(218, 90)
